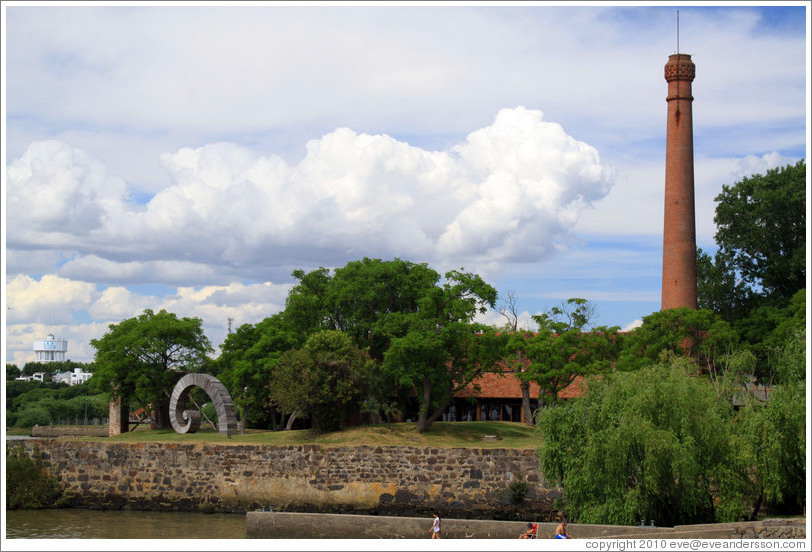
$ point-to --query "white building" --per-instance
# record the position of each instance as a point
(36, 376)
(72, 378)
(50, 349)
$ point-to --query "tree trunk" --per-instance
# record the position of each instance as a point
(291, 420)
(437, 413)
(757, 507)
(422, 419)
(161, 410)
(528, 413)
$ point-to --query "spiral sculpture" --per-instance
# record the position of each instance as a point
(184, 420)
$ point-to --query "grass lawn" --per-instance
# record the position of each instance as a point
(441, 434)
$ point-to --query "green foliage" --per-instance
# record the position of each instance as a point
(247, 361)
(651, 444)
(761, 231)
(789, 362)
(44, 404)
(324, 378)
(142, 356)
(30, 416)
(28, 486)
(774, 440)
(562, 351)
(12, 371)
(437, 350)
(418, 329)
(767, 329)
(700, 334)
(518, 490)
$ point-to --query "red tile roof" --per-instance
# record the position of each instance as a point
(506, 386)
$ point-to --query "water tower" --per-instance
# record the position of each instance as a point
(50, 349)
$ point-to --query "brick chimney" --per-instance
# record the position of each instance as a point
(679, 226)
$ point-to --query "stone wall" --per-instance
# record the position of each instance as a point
(459, 482)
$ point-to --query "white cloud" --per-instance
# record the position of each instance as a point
(57, 193)
(632, 325)
(511, 190)
(49, 299)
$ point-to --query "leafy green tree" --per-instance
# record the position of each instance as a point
(143, 357)
(651, 444)
(438, 350)
(32, 415)
(766, 329)
(774, 436)
(562, 351)
(700, 334)
(12, 372)
(357, 298)
(325, 379)
(720, 288)
(761, 238)
(379, 302)
(246, 363)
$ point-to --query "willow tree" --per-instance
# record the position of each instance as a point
(653, 444)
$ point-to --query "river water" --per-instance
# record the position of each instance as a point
(74, 523)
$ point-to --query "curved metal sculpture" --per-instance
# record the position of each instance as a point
(185, 420)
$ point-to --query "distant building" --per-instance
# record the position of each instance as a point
(36, 376)
(50, 349)
(72, 378)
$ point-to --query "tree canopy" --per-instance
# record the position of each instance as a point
(324, 378)
(142, 357)
(652, 444)
(761, 239)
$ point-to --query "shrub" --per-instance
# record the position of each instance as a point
(33, 415)
(518, 491)
(28, 485)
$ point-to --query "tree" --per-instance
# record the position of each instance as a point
(761, 234)
(437, 350)
(143, 357)
(561, 351)
(12, 372)
(245, 364)
(774, 437)
(357, 297)
(651, 444)
(325, 379)
(700, 334)
(376, 302)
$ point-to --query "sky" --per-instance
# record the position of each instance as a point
(189, 157)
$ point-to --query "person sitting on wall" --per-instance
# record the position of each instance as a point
(531, 532)
(561, 530)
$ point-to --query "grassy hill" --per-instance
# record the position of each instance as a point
(442, 434)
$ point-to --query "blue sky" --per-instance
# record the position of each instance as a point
(190, 157)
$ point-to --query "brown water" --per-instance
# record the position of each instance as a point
(72, 523)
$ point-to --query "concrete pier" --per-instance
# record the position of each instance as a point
(290, 525)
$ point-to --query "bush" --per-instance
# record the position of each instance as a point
(28, 485)
(33, 415)
(518, 491)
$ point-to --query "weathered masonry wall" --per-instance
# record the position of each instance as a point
(459, 482)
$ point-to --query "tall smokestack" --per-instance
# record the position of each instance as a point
(679, 226)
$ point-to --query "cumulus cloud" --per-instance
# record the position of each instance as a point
(512, 190)
(51, 298)
(57, 194)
